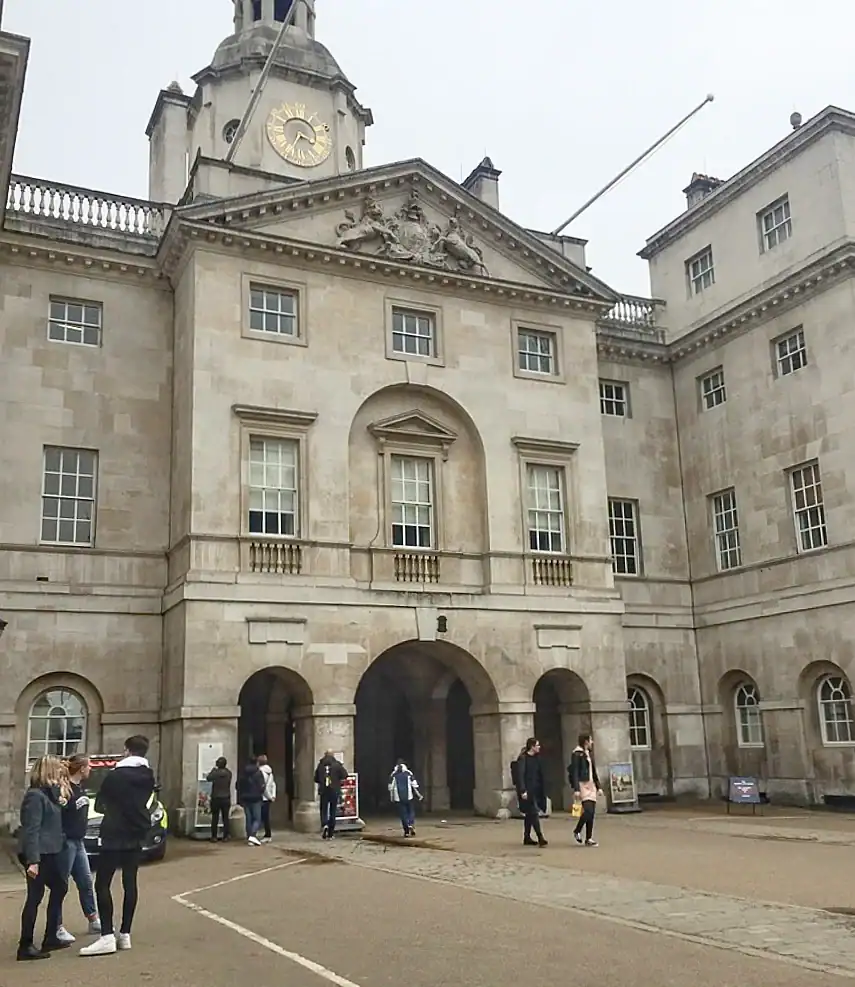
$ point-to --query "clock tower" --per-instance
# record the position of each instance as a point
(307, 123)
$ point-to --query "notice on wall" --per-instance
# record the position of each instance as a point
(207, 759)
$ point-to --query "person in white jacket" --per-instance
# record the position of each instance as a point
(269, 796)
(403, 791)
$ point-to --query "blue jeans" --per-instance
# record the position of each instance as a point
(75, 865)
(407, 811)
(252, 811)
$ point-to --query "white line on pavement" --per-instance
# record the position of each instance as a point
(240, 877)
(316, 968)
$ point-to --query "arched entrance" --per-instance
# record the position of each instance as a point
(416, 702)
(270, 723)
(561, 713)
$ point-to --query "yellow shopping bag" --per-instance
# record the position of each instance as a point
(576, 810)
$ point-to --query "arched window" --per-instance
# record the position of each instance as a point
(749, 722)
(834, 697)
(639, 720)
(57, 725)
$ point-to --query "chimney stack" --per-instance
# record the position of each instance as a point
(699, 188)
(483, 183)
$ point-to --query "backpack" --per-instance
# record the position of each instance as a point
(515, 772)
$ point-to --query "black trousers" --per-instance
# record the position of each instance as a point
(587, 819)
(329, 806)
(220, 807)
(265, 819)
(51, 876)
(531, 821)
(109, 861)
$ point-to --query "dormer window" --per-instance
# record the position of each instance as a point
(280, 9)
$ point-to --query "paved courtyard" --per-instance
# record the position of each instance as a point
(670, 897)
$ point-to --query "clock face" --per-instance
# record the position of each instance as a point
(298, 135)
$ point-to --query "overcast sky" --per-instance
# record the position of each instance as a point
(561, 94)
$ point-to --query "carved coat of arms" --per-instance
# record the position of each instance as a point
(410, 236)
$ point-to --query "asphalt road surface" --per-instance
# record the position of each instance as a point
(280, 914)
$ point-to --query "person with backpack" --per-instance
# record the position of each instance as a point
(330, 775)
(531, 791)
(125, 801)
(251, 785)
(269, 796)
(582, 774)
(403, 791)
(221, 797)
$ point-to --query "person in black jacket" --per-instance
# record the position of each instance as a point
(251, 786)
(40, 848)
(582, 774)
(125, 800)
(531, 792)
(221, 797)
(330, 774)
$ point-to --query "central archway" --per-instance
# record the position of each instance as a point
(416, 701)
(270, 701)
(562, 712)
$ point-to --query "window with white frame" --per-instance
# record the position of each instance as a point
(68, 496)
(413, 333)
(273, 310)
(700, 271)
(808, 507)
(749, 721)
(624, 536)
(790, 353)
(546, 508)
(713, 391)
(56, 725)
(73, 321)
(640, 735)
(273, 486)
(834, 698)
(412, 502)
(775, 224)
(536, 352)
(614, 399)
(728, 550)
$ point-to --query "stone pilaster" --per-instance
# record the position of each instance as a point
(319, 728)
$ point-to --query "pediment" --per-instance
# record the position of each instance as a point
(406, 214)
(412, 428)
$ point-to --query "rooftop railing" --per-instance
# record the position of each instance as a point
(635, 316)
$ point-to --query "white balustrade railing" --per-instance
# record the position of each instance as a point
(634, 313)
(85, 207)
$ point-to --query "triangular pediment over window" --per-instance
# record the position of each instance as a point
(412, 427)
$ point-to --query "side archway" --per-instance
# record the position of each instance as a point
(742, 734)
(649, 739)
(562, 710)
(433, 705)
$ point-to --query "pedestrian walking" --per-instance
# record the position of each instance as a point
(582, 774)
(40, 849)
(250, 796)
(404, 790)
(125, 800)
(221, 797)
(531, 792)
(330, 775)
(269, 796)
(75, 817)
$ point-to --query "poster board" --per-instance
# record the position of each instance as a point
(206, 760)
(347, 814)
(622, 784)
(742, 790)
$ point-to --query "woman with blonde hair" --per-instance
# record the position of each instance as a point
(75, 818)
(41, 845)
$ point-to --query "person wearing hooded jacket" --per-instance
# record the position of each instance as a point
(251, 784)
(403, 791)
(330, 775)
(124, 800)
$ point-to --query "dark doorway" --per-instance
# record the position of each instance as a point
(383, 733)
(460, 747)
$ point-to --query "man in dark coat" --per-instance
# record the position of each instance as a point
(531, 792)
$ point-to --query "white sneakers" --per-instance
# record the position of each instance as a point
(254, 841)
(63, 935)
(106, 945)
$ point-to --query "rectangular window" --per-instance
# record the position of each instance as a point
(272, 310)
(614, 399)
(413, 333)
(726, 530)
(68, 496)
(700, 271)
(713, 391)
(808, 508)
(536, 353)
(412, 502)
(791, 353)
(775, 224)
(623, 532)
(74, 322)
(546, 508)
(273, 504)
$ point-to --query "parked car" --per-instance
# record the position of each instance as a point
(154, 845)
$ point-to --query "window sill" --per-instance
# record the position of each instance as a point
(430, 361)
(751, 747)
(273, 337)
(544, 378)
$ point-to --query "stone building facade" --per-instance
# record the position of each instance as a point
(304, 456)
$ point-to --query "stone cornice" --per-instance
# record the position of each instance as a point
(14, 54)
(184, 235)
(830, 119)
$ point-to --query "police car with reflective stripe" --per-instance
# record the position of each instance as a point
(154, 844)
